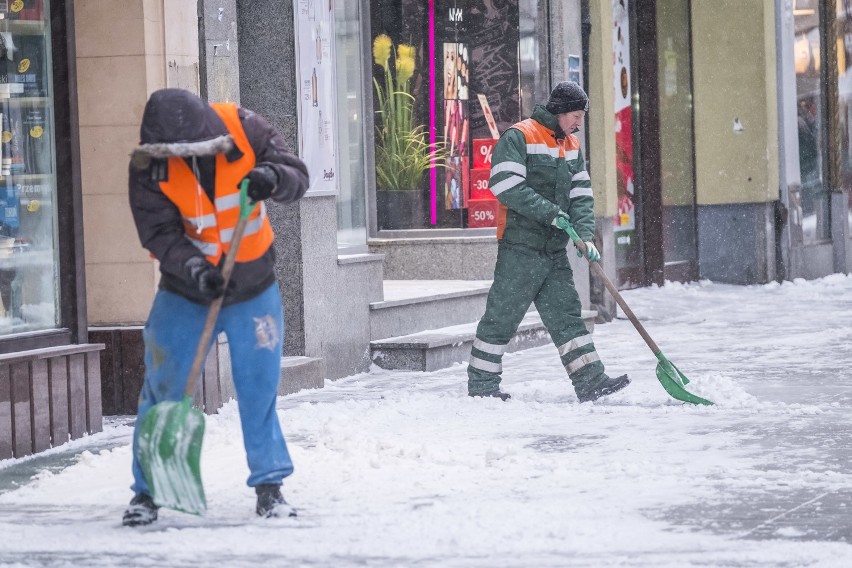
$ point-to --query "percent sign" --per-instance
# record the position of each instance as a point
(485, 151)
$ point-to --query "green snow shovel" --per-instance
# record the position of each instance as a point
(669, 376)
(169, 445)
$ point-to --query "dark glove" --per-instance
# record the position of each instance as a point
(206, 277)
(262, 182)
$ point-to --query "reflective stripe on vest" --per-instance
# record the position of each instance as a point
(540, 140)
(210, 227)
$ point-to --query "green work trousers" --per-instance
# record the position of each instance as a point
(523, 276)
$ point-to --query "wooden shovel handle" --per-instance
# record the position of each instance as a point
(599, 271)
(215, 306)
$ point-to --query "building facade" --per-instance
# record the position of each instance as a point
(712, 155)
(734, 167)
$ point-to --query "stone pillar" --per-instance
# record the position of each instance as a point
(267, 59)
(601, 126)
(840, 231)
(736, 118)
(219, 51)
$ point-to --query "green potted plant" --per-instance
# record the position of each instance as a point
(403, 152)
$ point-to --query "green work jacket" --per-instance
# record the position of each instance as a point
(534, 176)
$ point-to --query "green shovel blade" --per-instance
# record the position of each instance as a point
(674, 382)
(169, 450)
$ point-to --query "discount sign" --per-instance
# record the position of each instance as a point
(482, 150)
(479, 184)
(482, 213)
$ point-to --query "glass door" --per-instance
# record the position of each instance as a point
(677, 167)
(811, 106)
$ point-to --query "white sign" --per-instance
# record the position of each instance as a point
(316, 91)
(621, 53)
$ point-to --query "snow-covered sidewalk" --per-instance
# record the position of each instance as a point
(403, 469)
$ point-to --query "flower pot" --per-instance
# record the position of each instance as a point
(400, 209)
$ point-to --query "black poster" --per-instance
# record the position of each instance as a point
(493, 37)
(475, 66)
(487, 32)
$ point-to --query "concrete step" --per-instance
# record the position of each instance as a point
(413, 305)
(439, 348)
(299, 373)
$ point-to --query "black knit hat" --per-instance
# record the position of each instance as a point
(567, 96)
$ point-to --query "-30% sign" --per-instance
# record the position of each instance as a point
(479, 178)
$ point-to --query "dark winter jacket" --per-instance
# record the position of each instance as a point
(178, 123)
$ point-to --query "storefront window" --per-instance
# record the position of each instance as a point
(351, 207)
(28, 216)
(676, 139)
(459, 64)
(534, 49)
(810, 103)
(629, 257)
(844, 86)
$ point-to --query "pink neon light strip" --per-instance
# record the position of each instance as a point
(433, 175)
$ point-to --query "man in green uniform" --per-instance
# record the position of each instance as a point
(539, 177)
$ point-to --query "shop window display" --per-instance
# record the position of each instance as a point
(403, 154)
(534, 53)
(844, 86)
(810, 106)
(28, 223)
(465, 89)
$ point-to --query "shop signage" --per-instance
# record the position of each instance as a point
(479, 178)
(482, 150)
(473, 47)
(625, 219)
(315, 58)
(482, 213)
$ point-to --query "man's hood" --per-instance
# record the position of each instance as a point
(177, 123)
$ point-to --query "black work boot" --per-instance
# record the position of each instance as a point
(504, 396)
(604, 386)
(483, 384)
(271, 504)
(142, 511)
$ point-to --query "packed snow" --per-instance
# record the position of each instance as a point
(403, 469)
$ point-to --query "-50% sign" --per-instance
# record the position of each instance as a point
(482, 213)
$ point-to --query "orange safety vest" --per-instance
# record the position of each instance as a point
(536, 133)
(210, 227)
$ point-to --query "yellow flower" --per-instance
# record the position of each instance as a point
(405, 51)
(404, 69)
(382, 49)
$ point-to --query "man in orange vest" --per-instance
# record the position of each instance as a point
(184, 195)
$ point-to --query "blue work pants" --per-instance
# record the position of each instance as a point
(255, 329)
